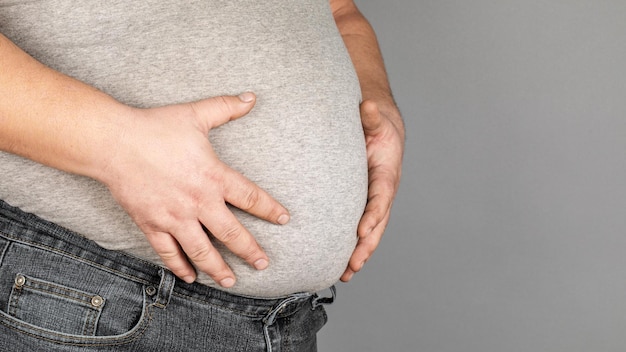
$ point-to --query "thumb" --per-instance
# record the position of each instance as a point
(217, 111)
(371, 118)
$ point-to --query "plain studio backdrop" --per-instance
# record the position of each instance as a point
(509, 230)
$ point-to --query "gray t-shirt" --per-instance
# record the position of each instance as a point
(303, 142)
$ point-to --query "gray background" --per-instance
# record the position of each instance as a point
(509, 231)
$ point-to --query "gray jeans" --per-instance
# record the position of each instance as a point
(62, 292)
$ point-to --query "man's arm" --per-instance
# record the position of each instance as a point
(157, 163)
(382, 125)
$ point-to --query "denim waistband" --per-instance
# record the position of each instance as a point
(20, 226)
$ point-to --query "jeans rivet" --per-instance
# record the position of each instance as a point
(97, 301)
(150, 290)
(20, 281)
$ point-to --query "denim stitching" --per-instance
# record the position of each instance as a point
(4, 250)
(166, 286)
(16, 293)
(287, 336)
(89, 328)
(41, 286)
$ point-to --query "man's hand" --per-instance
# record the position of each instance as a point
(383, 127)
(384, 137)
(166, 175)
(157, 163)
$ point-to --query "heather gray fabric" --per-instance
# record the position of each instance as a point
(302, 143)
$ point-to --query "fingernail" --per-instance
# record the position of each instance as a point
(261, 264)
(283, 219)
(246, 97)
(349, 277)
(227, 282)
(189, 279)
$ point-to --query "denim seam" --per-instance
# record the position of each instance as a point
(89, 341)
(4, 250)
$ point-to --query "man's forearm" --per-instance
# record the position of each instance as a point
(364, 50)
(51, 118)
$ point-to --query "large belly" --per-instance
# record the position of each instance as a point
(302, 142)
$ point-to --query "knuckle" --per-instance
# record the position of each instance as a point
(167, 254)
(250, 253)
(230, 235)
(200, 253)
(195, 109)
(163, 245)
(222, 105)
(250, 199)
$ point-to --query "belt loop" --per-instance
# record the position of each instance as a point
(165, 288)
(324, 300)
(270, 318)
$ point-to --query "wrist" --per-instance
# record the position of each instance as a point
(110, 143)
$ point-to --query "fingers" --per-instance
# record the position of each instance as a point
(367, 244)
(384, 162)
(191, 243)
(216, 111)
(225, 227)
(370, 232)
(228, 230)
(245, 195)
(204, 255)
(382, 190)
(173, 257)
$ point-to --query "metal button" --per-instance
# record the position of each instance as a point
(20, 280)
(150, 290)
(97, 301)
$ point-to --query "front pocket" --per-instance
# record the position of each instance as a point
(55, 307)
